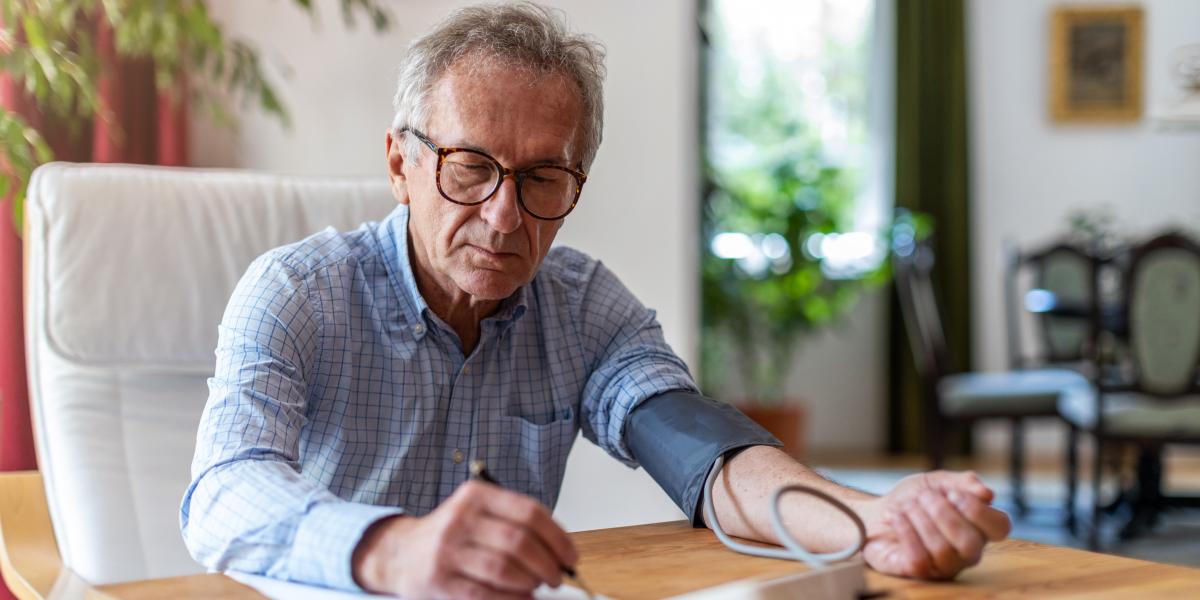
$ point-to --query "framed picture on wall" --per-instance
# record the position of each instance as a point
(1096, 63)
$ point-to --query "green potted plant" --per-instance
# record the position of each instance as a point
(781, 258)
(788, 238)
(770, 278)
(49, 49)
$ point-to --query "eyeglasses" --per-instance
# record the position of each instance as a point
(469, 177)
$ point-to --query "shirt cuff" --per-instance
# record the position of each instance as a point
(677, 436)
(323, 549)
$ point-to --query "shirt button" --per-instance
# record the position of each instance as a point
(418, 329)
(466, 370)
(458, 456)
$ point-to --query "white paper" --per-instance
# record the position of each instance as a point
(281, 590)
(287, 590)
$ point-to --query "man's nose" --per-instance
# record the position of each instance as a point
(502, 211)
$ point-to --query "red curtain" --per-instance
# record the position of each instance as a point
(148, 127)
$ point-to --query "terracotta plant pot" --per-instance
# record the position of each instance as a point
(786, 420)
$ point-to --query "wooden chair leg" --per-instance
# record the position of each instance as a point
(937, 444)
(1017, 466)
(1093, 540)
(1072, 477)
(29, 558)
(1146, 501)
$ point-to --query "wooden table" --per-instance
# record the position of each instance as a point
(653, 561)
(664, 559)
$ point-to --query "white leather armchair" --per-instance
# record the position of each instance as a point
(128, 273)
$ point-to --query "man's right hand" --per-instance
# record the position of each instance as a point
(482, 542)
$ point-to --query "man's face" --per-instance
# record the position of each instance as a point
(488, 250)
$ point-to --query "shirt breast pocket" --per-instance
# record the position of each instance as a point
(531, 452)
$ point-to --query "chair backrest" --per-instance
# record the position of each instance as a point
(129, 270)
(1163, 299)
(912, 268)
(1062, 275)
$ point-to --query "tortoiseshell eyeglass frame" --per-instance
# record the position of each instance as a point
(518, 175)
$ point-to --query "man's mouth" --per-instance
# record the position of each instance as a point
(491, 253)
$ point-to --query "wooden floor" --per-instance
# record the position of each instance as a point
(1182, 466)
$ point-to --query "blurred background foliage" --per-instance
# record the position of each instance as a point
(783, 174)
(48, 48)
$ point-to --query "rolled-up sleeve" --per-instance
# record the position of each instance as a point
(640, 403)
(629, 361)
(248, 507)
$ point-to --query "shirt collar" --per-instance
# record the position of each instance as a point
(399, 265)
(512, 308)
(395, 251)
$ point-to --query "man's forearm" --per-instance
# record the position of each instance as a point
(261, 517)
(742, 494)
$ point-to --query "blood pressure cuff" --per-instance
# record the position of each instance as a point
(678, 435)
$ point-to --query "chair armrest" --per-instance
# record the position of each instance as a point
(29, 557)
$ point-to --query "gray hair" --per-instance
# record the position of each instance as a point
(524, 35)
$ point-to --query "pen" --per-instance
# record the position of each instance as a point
(479, 471)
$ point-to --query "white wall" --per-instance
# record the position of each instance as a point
(1028, 173)
(841, 376)
(637, 214)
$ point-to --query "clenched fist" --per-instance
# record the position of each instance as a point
(933, 525)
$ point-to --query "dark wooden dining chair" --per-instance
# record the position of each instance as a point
(959, 399)
(1157, 400)
(1056, 301)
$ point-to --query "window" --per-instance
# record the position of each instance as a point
(797, 157)
(796, 99)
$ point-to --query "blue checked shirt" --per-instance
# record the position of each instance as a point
(340, 398)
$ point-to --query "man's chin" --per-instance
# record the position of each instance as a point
(489, 285)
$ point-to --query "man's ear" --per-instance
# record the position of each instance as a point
(395, 162)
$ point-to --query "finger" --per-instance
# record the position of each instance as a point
(945, 558)
(964, 481)
(488, 566)
(465, 587)
(521, 545)
(966, 539)
(529, 513)
(994, 524)
(915, 558)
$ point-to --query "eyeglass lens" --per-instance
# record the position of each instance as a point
(470, 178)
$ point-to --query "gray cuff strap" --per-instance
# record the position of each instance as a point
(678, 435)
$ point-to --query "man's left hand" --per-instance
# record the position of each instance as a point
(933, 525)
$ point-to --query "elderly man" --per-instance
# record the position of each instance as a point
(358, 374)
